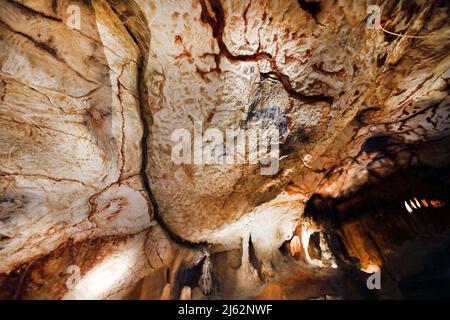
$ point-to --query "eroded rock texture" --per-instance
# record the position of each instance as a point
(93, 206)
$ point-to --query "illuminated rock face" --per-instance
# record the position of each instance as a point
(70, 134)
(336, 84)
(88, 185)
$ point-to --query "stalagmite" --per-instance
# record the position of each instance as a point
(186, 293)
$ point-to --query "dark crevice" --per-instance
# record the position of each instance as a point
(376, 144)
(187, 276)
(255, 263)
(313, 8)
(4, 237)
(142, 41)
(314, 249)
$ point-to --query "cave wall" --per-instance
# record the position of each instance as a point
(87, 115)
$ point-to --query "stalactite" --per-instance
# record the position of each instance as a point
(206, 280)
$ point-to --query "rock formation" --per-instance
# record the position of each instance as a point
(96, 96)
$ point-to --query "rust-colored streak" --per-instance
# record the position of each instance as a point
(217, 25)
(210, 115)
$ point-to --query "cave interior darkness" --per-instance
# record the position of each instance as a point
(110, 109)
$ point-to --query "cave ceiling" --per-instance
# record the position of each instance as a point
(89, 189)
